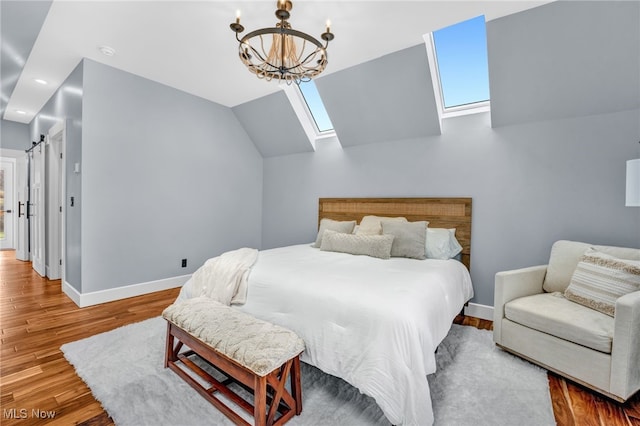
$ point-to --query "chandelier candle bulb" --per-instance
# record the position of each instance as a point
(238, 16)
(328, 25)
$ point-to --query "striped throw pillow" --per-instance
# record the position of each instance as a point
(600, 279)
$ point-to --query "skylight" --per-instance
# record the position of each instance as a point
(315, 106)
(459, 66)
(308, 107)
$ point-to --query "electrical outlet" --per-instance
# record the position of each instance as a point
(184, 263)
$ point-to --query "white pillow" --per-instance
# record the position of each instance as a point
(345, 227)
(370, 225)
(442, 243)
(370, 245)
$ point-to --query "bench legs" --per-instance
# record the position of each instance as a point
(271, 397)
(296, 388)
(171, 354)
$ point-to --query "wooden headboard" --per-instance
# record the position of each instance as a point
(440, 212)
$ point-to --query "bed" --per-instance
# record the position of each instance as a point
(375, 323)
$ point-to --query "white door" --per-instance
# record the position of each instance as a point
(37, 209)
(22, 196)
(54, 185)
(7, 209)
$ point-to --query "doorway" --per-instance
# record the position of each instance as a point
(36, 208)
(54, 192)
(46, 208)
(7, 211)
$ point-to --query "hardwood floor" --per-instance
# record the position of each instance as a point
(36, 318)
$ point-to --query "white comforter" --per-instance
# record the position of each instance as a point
(375, 323)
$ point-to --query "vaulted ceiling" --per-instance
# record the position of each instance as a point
(188, 44)
(559, 60)
(585, 62)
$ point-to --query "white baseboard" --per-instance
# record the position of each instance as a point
(479, 311)
(109, 295)
(70, 291)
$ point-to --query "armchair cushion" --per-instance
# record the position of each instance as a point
(565, 256)
(552, 314)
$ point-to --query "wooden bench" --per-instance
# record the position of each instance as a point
(257, 355)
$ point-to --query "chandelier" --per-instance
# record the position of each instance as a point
(292, 55)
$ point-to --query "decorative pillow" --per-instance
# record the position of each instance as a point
(370, 245)
(442, 243)
(345, 227)
(409, 238)
(370, 225)
(565, 256)
(600, 279)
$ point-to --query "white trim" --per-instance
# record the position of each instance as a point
(435, 75)
(479, 311)
(11, 153)
(109, 295)
(475, 108)
(55, 129)
(73, 294)
(63, 201)
(301, 112)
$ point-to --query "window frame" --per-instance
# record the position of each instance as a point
(310, 112)
(304, 114)
(434, 68)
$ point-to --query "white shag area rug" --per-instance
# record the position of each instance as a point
(476, 384)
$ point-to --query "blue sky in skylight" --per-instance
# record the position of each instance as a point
(314, 102)
(461, 52)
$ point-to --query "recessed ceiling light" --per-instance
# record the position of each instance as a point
(40, 81)
(107, 50)
(21, 112)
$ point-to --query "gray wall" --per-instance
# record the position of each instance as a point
(165, 176)
(564, 59)
(387, 98)
(66, 103)
(531, 185)
(264, 119)
(14, 135)
(365, 106)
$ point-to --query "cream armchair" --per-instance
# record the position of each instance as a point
(534, 320)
